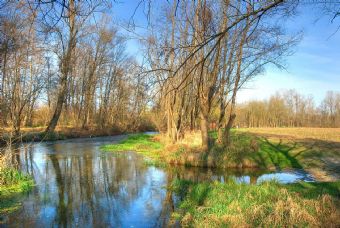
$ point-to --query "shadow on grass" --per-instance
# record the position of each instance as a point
(249, 150)
(303, 154)
(284, 150)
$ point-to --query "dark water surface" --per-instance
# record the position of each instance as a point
(77, 185)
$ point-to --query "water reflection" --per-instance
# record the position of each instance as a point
(78, 185)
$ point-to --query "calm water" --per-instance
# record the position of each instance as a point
(77, 185)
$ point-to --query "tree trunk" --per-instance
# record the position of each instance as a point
(65, 70)
(219, 134)
(220, 122)
(226, 137)
(61, 98)
(204, 132)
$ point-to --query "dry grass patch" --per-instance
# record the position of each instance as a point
(327, 134)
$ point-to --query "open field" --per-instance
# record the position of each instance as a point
(327, 134)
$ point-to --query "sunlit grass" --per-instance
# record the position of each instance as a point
(141, 143)
(268, 204)
(247, 150)
(241, 153)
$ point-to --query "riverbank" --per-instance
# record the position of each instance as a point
(268, 204)
(13, 184)
(61, 133)
(187, 152)
(248, 150)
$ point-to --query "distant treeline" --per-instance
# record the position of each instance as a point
(290, 109)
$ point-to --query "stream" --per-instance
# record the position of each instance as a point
(78, 185)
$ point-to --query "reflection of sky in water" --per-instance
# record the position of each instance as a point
(284, 177)
(243, 179)
(78, 185)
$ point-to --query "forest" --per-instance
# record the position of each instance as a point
(67, 71)
(68, 65)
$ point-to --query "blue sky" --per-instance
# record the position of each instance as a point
(313, 69)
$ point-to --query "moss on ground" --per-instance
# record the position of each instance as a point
(13, 184)
(268, 204)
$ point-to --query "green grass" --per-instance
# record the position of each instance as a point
(13, 184)
(268, 204)
(241, 153)
(141, 143)
(248, 150)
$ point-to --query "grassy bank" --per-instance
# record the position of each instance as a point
(12, 184)
(268, 204)
(246, 151)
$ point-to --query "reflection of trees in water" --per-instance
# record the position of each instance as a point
(168, 204)
(62, 208)
(84, 189)
(11, 155)
(196, 174)
(100, 190)
(87, 188)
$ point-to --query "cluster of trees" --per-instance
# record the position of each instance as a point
(290, 109)
(201, 55)
(67, 58)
